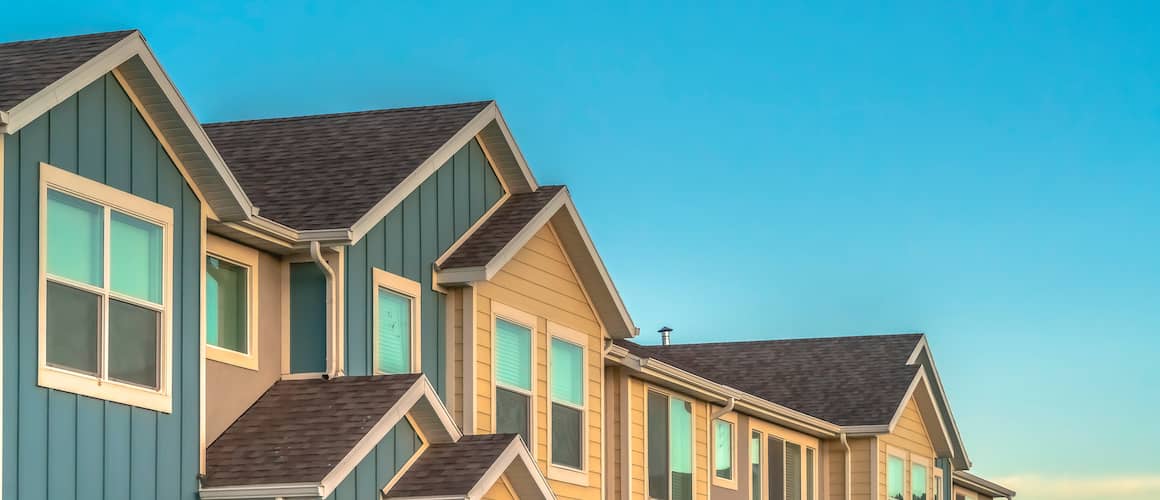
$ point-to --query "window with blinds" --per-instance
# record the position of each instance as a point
(513, 378)
(670, 448)
(776, 473)
(396, 323)
(755, 466)
(567, 377)
(793, 471)
(811, 481)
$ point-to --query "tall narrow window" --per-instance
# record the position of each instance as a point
(917, 481)
(938, 484)
(793, 471)
(723, 449)
(811, 480)
(104, 310)
(670, 448)
(567, 362)
(513, 378)
(230, 296)
(755, 466)
(776, 473)
(396, 323)
(895, 477)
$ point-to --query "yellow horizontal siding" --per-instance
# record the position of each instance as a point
(911, 437)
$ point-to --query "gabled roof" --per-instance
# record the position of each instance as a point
(485, 248)
(977, 484)
(310, 434)
(469, 468)
(849, 381)
(37, 75)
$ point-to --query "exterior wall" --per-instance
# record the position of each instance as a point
(59, 445)
(230, 389)
(638, 393)
(860, 469)
(501, 490)
(540, 281)
(789, 436)
(960, 492)
(372, 474)
(406, 242)
(909, 435)
(307, 318)
(615, 437)
(741, 465)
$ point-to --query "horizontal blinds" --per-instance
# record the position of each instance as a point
(793, 471)
(513, 355)
(567, 373)
(75, 239)
(394, 336)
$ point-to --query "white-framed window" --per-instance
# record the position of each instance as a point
(669, 446)
(231, 298)
(938, 483)
(567, 376)
(919, 472)
(811, 474)
(106, 295)
(724, 431)
(513, 334)
(396, 320)
(755, 464)
(895, 476)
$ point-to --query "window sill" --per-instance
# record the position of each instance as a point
(221, 355)
(86, 385)
(568, 475)
(725, 483)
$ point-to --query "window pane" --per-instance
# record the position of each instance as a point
(394, 341)
(776, 473)
(755, 465)
(894, 478)
(810, 474)
(681, 448)
(513, 356)
(567, 433)
(133, 344)
(567, 372)
(226, 305)
(75, 236)
(135, 257)
(793, 471)
(658, 446)
(723, 449)
(938, 486)
(511, 414)
(72, 320)
(917, 482)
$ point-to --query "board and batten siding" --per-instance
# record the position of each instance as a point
(539, 281)
(58, 445)
(372, 474)
(406, 242)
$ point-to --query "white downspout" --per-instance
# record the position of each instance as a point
(849, 462)
(332, 365)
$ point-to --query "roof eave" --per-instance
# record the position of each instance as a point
(982, 485)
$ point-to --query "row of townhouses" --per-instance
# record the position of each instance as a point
(380, 305)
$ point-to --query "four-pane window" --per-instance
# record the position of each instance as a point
(513, 378)
(567, 376)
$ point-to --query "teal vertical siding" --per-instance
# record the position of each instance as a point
(307, 318)
(373, 473)
(406, 242)
(62, 446)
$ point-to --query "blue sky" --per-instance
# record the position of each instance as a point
(984, 172)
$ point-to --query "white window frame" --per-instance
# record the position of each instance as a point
(916, 459)
(730, 482)
(247, 258)
(563, 472)
(937, 485)
(762, 456)
(692, 435)
(529, 321)
(895, 452)
(411, 289)
(100, 386)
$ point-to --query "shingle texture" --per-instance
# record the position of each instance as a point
(451, 469)
(30, 66)
(327, 171)
(300, 429)
(843, 380)
(500, 228)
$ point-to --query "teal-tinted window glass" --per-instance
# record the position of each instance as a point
(226, 307)
(658, 446)
(895, 472)
(755, 464)
(567, 372)
(75, 239)
(394, 339)
(917, 482)
(513, 355)
(135, 257)
(681, 448)
(723, 449)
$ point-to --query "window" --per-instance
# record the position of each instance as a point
(755, 465)
(938, 484)
(723, 449)
(669, 447)
(396, 323)
(567, 379)
(513, 372)
(775, 450)
(231, 322)
(895, 477)
(917, 481)
(105, 292)
(793, 471)
(811, 464)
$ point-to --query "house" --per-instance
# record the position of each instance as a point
(968, 486)
(377, 305)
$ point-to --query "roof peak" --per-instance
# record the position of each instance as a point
(343, 114)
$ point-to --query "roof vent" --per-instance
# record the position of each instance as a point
(665, 331)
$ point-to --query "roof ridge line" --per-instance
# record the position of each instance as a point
(126, 32)
(278, 119)
(770, 341)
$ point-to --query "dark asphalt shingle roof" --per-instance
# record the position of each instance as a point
(843, 380)
(500, 228)
(327, 171)
(27, 67)
(451, 469)
(300, 429)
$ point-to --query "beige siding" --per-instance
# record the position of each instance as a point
(229, 389)
(959, 490)
(540, 281)
(636, 456)
(860, 458)
(614, 436)
(911, 439)
(501, 490)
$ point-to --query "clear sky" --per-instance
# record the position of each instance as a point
(984, 172)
